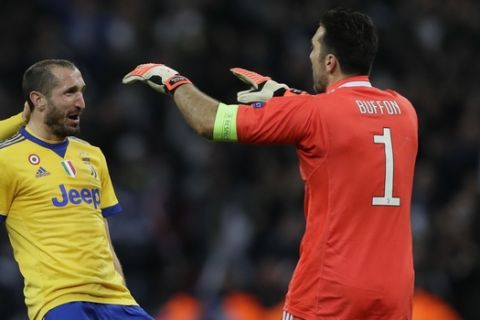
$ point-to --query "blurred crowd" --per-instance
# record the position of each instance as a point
(210, 227)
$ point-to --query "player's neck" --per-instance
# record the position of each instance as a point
(42, 131)
(336, 77)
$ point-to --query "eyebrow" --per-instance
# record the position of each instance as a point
(75, 88)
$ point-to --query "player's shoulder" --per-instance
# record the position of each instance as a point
(324, 101)
(12, 141)
(301, 100)
(392, 92)
(401, 98)
(83, 145)
(78, 140)
(396, 95)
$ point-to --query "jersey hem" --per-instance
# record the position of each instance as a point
(299, 314)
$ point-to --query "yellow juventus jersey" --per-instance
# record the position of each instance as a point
(10, 126)
(53, 199)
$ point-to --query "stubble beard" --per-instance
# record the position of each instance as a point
(320, 78)
(320, 85)
(55, 121)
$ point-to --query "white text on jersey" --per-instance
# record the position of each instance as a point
(389, 107)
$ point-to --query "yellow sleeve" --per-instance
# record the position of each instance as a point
(10, 126)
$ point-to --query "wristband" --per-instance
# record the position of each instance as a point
(225, 127)
(175, 82)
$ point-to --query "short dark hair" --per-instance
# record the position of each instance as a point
(39, 77)
(352, 37)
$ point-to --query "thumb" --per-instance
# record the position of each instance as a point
(129, 78)
(249, 97)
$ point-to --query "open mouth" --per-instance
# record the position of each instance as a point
(74, 118)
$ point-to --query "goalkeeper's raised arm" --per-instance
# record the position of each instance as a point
(206, 115)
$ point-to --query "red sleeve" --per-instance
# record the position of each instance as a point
(282, 120)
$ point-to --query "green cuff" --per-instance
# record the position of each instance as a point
(225, 128)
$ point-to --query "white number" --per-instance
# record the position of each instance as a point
(388, 199)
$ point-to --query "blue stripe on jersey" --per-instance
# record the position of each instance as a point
(2, 218)
(110, 211)
(59, 148)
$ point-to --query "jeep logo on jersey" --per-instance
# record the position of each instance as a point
(76, 197)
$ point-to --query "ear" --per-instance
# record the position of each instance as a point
(331, 63)
(39, 100)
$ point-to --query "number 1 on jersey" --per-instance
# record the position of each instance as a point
(388, 199)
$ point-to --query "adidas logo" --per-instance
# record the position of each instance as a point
(41, 172)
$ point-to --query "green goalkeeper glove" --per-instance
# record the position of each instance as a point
(262, 89)
(158, 76)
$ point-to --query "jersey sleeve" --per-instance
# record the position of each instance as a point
(108, 202)
(283, 120)
(7, 191)
(10, 126)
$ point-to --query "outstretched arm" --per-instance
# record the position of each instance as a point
(197, 108)
(206, 115)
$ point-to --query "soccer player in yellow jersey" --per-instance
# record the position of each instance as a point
(55, 195)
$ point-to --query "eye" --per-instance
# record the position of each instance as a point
(71, 91)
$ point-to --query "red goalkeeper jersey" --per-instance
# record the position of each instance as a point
(356, 146)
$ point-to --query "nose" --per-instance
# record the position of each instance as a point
(80, 101)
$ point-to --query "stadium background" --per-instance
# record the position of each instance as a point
(209, 220)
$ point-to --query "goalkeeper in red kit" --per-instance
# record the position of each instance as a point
(356, 145)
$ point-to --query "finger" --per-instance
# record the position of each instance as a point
(132, 78)
(143, 68)
(139, 72)
(249, 77)
(245, 79)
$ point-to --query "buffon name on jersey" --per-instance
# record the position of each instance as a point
(390, 107)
